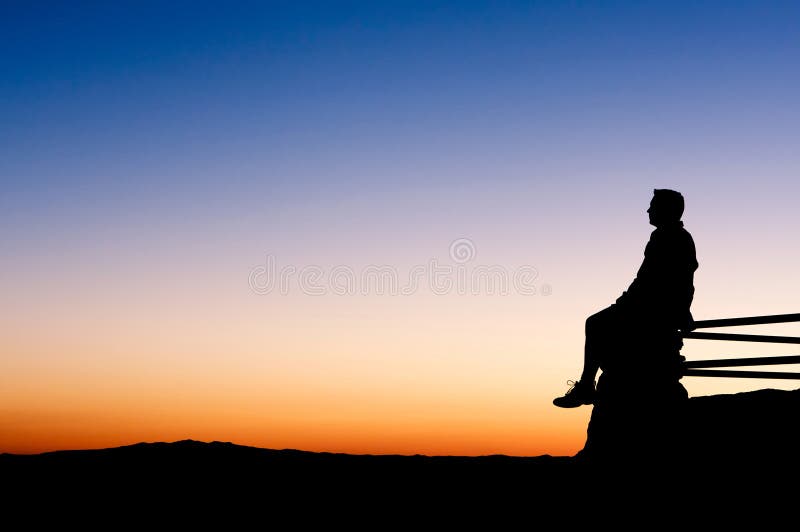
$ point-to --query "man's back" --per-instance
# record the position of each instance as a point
(664, 286)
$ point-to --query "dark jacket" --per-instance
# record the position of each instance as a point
(663, 290)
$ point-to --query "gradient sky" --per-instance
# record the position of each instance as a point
(152, 157)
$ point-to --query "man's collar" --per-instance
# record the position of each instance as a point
(671, 225)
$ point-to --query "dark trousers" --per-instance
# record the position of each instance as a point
(604, 331)
(625, 338)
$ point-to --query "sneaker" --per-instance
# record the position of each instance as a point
(579, 394)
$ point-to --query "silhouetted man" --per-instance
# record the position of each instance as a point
(658, 300)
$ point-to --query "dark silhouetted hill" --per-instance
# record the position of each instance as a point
(740, 447)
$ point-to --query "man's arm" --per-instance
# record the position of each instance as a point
(636, 291)
(664, 283)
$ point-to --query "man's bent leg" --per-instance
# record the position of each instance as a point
(600, 328)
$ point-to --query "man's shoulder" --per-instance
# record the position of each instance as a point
(672, 231)
(671, 236)
(686, 234)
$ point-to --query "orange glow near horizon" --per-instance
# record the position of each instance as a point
(363, 375)
(163, 354)
(103, 393)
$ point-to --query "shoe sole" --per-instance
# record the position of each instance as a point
(572, 405)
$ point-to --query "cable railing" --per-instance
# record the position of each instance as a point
(709, 368)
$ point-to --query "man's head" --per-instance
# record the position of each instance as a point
(665, 207)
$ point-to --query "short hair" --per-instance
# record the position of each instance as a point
(671, 202)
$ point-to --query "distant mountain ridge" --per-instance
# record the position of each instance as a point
(727, 444)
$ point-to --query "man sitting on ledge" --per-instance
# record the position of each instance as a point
(654, 308)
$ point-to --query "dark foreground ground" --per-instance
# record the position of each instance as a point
(739, 454)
